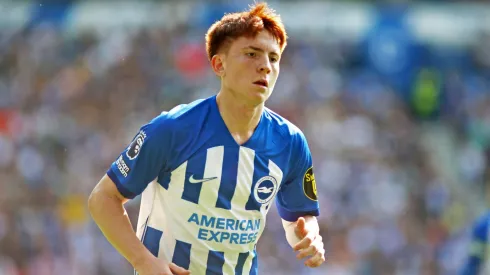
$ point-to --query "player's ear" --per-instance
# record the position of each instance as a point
(217, 63)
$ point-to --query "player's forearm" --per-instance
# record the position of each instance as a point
(113, 221)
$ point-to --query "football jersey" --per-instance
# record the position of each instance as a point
(205, 197)
(479, 251)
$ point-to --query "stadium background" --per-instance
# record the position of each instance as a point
(393, 97)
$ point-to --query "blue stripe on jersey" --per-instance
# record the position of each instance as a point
(152, 240)
(242, 257)
(216, 260)
(255, 265)
(195, 169)
(229, 176)
(182, 254)
(252, 204)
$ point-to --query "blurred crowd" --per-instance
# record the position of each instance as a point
(401, 167)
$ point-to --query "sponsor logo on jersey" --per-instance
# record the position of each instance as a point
(224, 230)
(309, 185)
(194, 180)
(135, 146)
(122, 166)
(265, 189)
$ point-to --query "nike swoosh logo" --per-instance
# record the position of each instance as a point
(193, 180)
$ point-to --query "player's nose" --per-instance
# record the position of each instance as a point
(265, 67)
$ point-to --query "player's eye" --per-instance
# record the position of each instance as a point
(274, 59)
(251, 54)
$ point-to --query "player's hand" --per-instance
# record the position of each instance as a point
(157, 266)
(311, 243)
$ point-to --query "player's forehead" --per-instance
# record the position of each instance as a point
(264, 40)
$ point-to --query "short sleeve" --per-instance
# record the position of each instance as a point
(297, 197)
(144, 158)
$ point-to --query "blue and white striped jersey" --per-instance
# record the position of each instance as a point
(204, 197)
(479, 251)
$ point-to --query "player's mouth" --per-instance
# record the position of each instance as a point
(263, 83)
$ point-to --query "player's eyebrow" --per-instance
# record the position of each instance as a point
(260, 50)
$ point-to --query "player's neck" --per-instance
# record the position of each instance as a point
(240, 119)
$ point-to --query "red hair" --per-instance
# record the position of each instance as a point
(249, 23)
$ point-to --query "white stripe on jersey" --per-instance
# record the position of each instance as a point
(231, 260)
(244, 178)
(160, 221)
(177, 181)
(146, 206)
(213, 168)
(247, 266)
(275, 172)
(199, 259)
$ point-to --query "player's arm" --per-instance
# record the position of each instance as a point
(106, 207)
(298, 206)
(127, 177)
(476, 253)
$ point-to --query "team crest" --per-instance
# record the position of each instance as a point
(135, 146)
(265, 189)
(309, 185)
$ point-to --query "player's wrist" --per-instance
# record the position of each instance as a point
(289, 229)
(141, 259)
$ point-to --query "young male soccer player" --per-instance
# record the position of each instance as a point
(208, 171)
(479, 248)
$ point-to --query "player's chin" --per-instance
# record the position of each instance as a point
(260, 95)
(257, 100)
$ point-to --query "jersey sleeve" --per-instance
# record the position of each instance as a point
(297, 197)
(477, 248)
(144, 158)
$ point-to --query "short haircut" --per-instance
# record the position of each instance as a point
(249, 23)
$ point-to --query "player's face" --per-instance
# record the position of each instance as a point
(252, 67)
